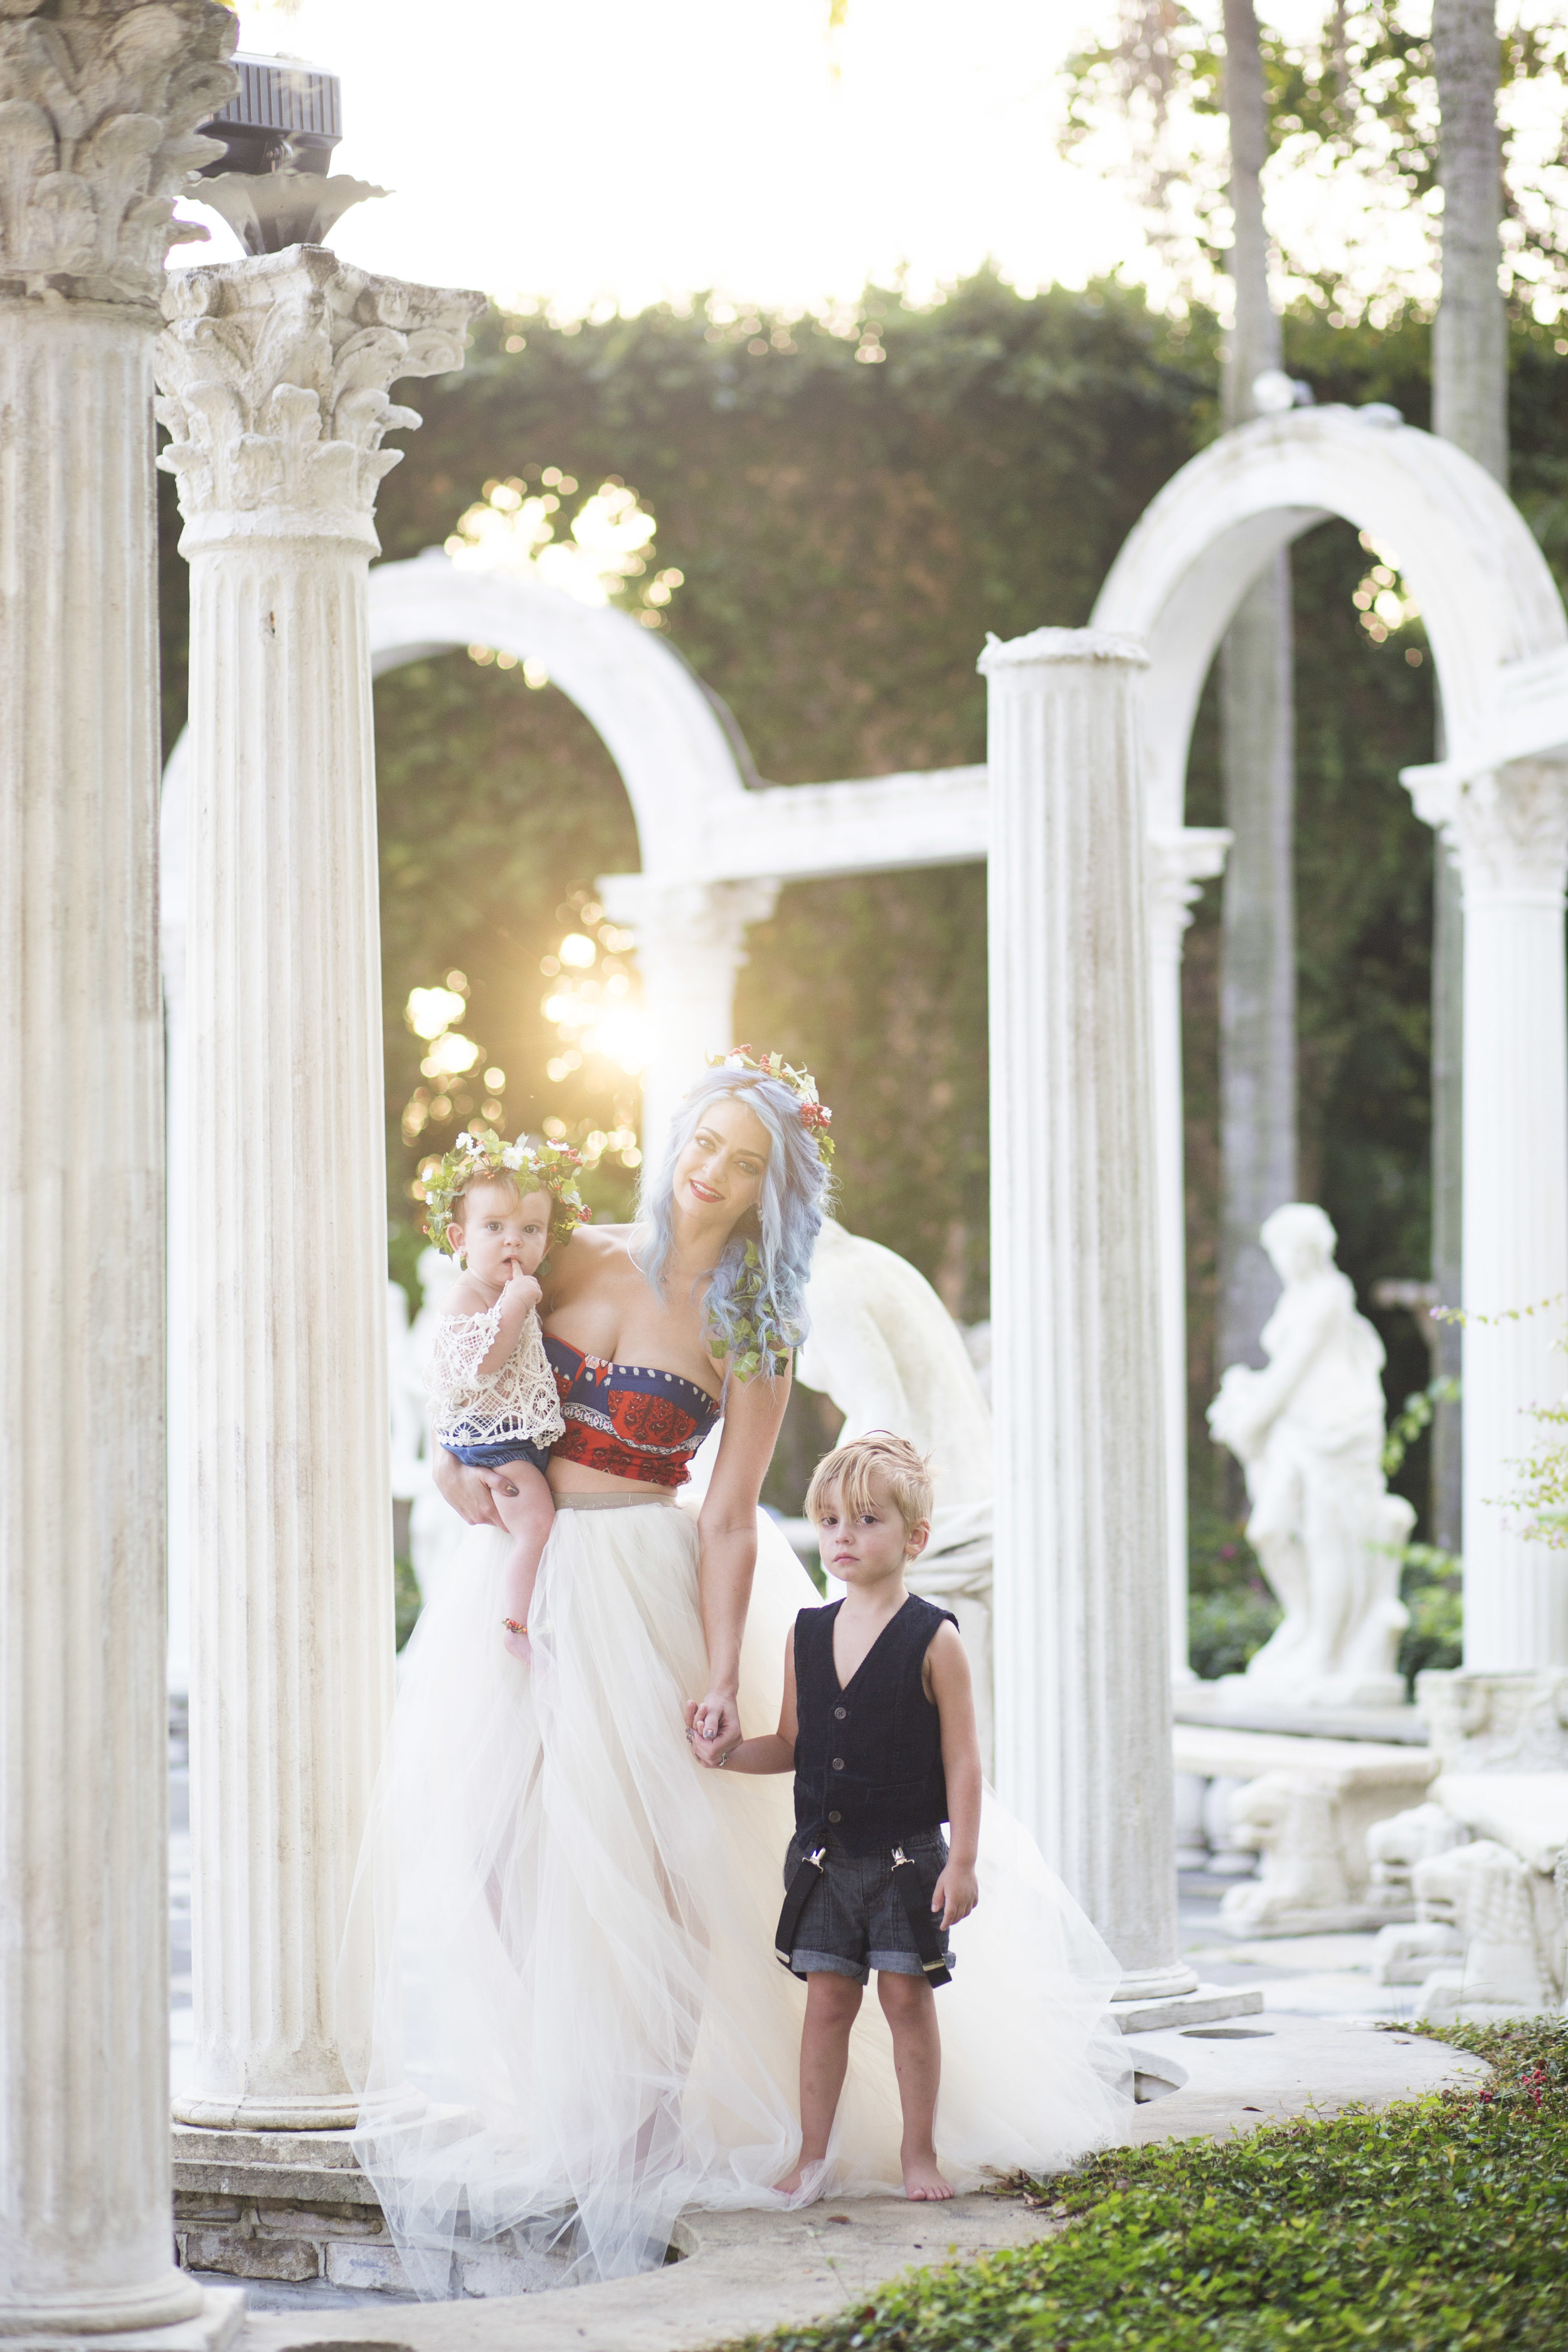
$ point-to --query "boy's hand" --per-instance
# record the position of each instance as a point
(955, 1895)
(707, 1751)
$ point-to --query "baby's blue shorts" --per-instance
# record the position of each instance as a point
(496, 1457)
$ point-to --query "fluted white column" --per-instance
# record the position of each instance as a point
(1083, 1689)
(1179, 863)
(174, 809)
(274, 371)
(690, 948)
(1511, 832)
(98, 109)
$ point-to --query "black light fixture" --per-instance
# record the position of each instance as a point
(284, 117)
(278, 131)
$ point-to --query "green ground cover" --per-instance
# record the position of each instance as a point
(1440, 2225)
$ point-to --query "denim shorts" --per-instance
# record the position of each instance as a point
(854, 1919)
(496, 1457)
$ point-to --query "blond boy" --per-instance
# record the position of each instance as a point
(877, 1727)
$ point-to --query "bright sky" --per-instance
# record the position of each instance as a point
(621, 150)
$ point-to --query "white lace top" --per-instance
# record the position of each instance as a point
(468, 1407)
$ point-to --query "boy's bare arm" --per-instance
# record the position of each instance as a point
(772, 1751)
(957, 1890)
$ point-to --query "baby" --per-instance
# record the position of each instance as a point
(877, 1727)
(493, 1403)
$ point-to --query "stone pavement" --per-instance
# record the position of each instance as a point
(1301, 1975)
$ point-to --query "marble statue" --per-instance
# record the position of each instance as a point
(1308, 1430)
(884, 1349)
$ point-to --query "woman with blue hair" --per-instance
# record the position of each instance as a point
(578, 2026)
(572, 1923)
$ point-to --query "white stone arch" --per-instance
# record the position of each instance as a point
(1499, 798)
(657, 723)
(1496, 623)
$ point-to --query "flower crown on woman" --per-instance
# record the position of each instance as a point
(815, 1115)
(476, 1156)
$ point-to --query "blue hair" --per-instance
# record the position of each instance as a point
(756, 1299)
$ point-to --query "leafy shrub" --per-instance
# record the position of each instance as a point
(1436, 2226)
(1230, 1611)
(1225, 1629)
(1431, 1590)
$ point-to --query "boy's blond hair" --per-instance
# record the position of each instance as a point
(878, 1454)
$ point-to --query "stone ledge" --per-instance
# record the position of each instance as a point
(1223, 1706)
(1203, 2006)
(314, 2169)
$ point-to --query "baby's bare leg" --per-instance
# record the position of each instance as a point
(908, 2005)
(527, 1516)
(832, 2005)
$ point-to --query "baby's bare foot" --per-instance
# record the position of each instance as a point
(922, 2182)
(517, 1644)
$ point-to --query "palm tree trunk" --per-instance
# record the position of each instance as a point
(1257, 982)
(1469, 407)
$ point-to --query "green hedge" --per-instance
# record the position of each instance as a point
(1436, 2226)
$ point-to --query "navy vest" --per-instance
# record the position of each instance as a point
(867, 1758)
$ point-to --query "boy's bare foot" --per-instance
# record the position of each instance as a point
(517, 1644)
(922, 2182)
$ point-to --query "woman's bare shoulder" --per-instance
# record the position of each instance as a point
(593, 1251)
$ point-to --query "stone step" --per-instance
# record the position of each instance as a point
(313, 2168)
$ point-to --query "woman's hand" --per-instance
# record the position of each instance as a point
(472, 1493)
(714, 1723)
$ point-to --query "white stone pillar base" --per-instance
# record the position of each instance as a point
(1083, 1686)
(212, 2326)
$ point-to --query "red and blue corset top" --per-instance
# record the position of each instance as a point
(629, 1420)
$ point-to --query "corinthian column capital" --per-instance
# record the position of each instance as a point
(1178, 861)
(1507, 830)
(98, 101)
(274, 374)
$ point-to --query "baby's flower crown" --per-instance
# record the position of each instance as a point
(815, 1114)
(537, 1167)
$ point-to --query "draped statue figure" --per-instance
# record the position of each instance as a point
(1309, 1432)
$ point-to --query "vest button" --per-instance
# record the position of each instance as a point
(840, 1713)
(835, 1817)
(838, 1763)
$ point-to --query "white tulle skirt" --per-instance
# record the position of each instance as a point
(577, 2021)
